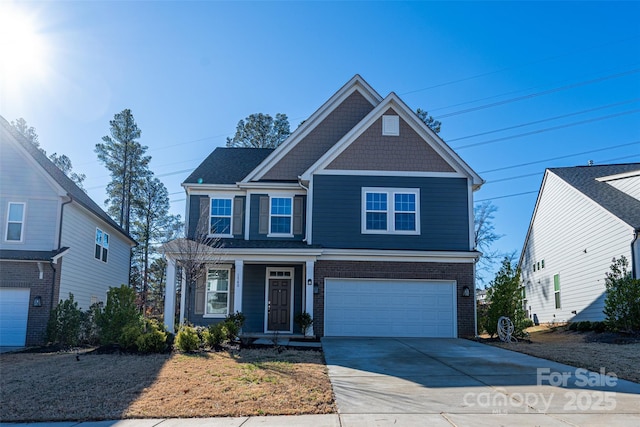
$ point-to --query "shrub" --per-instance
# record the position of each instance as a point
(218, 334)
(187, 339)
(119, 313)
(130, 335)
(89, 331)
(584, 326)
(599, 327)
(153, 339)
(527, 323)
(64, 323)
(622, 303)
(233, 324)
(303, 320)
(573, 326)
(505, 299)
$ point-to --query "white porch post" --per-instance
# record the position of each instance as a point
(237, 296)
(183, 295)
(308, 304)
(170, 296)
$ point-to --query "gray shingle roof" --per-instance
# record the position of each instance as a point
(620, 204)
(20, 255)
(228, 165)
(58, 176)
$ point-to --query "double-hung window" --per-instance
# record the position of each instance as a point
(15, 222)
(556, 290)
(280, 216)
(217, 292)
(220, 223)
(390, 210)
(102, 245)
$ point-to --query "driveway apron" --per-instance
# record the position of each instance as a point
(462, 382)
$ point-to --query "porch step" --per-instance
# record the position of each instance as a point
(286, 343)
(269, 341)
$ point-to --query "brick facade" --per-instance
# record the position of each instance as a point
(27, 275)
(462, 273)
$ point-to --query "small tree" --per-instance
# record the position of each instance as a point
(505, 299)
(119, 313)
(428, 120)
(65, 323)
(622, 303)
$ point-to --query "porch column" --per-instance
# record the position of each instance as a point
(237, 296)
(170, 296)
(308, 304)
(183, 295)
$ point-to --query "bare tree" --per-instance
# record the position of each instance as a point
(485, 236)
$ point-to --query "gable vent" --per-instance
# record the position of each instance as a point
(391, 125)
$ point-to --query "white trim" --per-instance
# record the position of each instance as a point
(404, 112)
(291, 277)
(275, 186)
(226, 268)
(356, 83)
(206, 189)
(213, 197)
(390, 211)
(102, 247)
(239, 283)
(280, 196)
(472, 220)
(170, 295)
(617, 176)
(309, 223)
(247, 214)
(22, 222)
(416, 174)
(397, 256)
(308, 294)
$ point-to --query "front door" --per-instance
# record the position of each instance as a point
(279, 305)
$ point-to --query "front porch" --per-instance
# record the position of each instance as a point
(268, 291)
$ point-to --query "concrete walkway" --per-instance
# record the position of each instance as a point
(445, 382)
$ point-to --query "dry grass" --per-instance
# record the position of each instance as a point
(582, 350)
(56, 386)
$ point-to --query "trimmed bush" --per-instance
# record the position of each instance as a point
(218, 334)
(303, 320)
(187, 339)
(64, 323)
(130, 335)
(153, 339)
(584, 326)
(527, 323)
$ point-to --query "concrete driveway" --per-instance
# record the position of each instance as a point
(444, 382)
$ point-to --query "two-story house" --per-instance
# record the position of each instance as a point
(362, 218)
(54, 240)
(584, 217)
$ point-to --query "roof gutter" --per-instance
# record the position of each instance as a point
(61, 216)
(634, 256)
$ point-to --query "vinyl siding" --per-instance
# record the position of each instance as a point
(577, 239)
(630, 185)
(82, 274)
(337, 213)
(21, 183)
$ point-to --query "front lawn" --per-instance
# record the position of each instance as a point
(66, 386)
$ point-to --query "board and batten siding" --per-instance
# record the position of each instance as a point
(577, 239)
(20, 184)
(82, 274)
(444, 213)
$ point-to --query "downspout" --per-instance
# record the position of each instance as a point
(634, 261)
(53, 282)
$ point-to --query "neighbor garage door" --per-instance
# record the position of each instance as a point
(14, 310)
(385, 308)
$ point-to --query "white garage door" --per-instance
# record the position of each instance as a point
(14, 310)
(386, 308)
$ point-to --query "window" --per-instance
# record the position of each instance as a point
(556, 289)
(220, 217)
(15, 222)
(102, 245)
(542, 264)
(217, 292)
(280, 217)
(390, 211)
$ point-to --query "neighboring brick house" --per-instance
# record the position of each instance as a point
(584, 217)
(362, 218)
(54, 240)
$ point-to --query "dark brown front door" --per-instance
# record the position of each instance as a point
(279, 304)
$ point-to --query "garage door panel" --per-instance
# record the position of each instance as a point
(361, 307)
(14, 313)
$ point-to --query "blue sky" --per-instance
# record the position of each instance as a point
(190, 70)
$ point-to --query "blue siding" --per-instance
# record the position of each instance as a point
(444, 213)
(255, 221)
(194, 214)
(253, 297)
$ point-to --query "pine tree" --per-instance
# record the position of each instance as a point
(260, 131)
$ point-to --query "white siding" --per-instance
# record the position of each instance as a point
(577, 239)
(630, 185)
(82, 274)
(23, 182)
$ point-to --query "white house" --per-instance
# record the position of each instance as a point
(54, 240)
(583, 218)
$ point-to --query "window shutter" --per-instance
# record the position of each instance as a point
(238, 215)
(204, 218)
(199, 308)
(297, 215)
(263, 222)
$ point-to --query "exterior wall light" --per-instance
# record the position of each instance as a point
(466, 292)
(309, 282)
(37, 301)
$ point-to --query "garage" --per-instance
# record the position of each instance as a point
(385, 308)
(14, 311)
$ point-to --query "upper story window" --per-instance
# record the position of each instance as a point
(220, 222)
(390, 210)
(280, 216)
(217, 292)
(15, 222)
(102, 245)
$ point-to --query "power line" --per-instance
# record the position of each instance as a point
(541, 93)
(507, 196)
(575, 113)
(534, 132)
